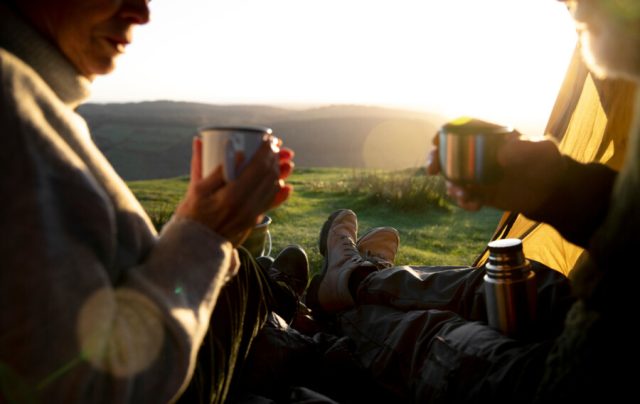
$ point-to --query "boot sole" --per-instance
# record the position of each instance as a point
(311, 299)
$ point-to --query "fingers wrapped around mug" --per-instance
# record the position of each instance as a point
(232, 208)
(264, 178)
(433, 158)
(286, 162)
(468, 197)
(531, 173)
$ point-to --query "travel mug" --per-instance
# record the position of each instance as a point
(468, 150)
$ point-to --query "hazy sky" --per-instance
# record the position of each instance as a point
(501, 60)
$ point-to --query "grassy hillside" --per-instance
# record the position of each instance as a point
(153, 139)
(432, 231)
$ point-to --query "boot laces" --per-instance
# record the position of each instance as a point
(379, 262)
(351, 249)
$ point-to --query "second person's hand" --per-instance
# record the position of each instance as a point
(531, 172)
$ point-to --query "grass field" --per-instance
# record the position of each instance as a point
(432, 230)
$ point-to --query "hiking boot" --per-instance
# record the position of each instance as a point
(379, 246)
(291, 266)
(330, 292)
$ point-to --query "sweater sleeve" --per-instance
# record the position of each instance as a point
(72, 333)
(76, 324)
(157, 314)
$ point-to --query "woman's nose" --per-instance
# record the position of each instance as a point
(136, 11)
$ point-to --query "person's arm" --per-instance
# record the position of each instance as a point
(544, 185)
(580, 201)
(69, 330)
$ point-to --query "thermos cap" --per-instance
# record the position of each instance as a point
(505, 254)
(505, 245)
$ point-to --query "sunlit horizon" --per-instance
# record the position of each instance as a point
(501, 60)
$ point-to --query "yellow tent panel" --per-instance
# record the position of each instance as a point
(591, 120)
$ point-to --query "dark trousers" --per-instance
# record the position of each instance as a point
(239, 314)
(422, 333)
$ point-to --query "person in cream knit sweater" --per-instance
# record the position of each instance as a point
(95, 306)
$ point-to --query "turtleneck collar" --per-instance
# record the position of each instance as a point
(17, 37)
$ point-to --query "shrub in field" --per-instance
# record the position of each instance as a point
(404, 190)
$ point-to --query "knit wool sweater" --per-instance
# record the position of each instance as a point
(94, 305)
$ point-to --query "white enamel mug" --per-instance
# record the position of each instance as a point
(225, 145)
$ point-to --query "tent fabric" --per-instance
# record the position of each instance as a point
(590, 119)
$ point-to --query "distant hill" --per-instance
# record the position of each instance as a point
(153, 139)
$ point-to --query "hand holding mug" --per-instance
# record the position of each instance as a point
(530, 172)
(232, 207)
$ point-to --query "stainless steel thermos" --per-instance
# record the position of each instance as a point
(510, 288)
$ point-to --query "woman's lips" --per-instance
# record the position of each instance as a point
(118, 44)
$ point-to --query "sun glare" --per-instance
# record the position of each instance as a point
(501, 60)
